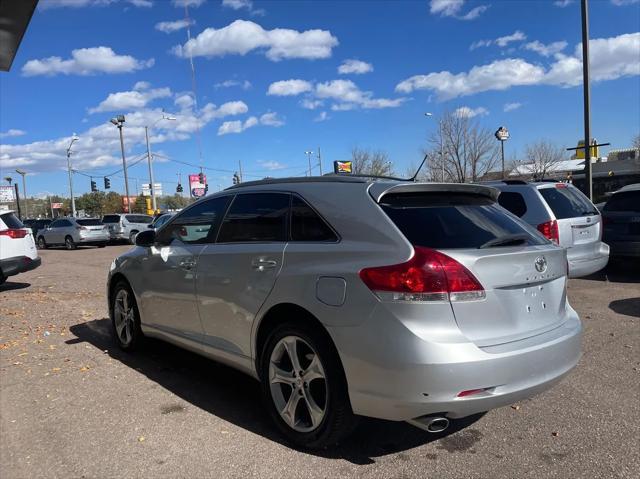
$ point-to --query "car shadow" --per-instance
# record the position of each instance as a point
(618, 270)
(235, 397)
(11, 285)
(628, 307)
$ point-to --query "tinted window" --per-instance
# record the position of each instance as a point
(256, 217)
(63, 223)
(161, 220)
(89, 222)
(197, 224)
(513, 202)
(139, 219)
(11, 221)
(567, 202)
(446, 221)
(306, 224)
(624, 201)
(29, 222)
(111, 219)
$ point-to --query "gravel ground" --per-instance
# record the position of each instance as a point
(73, 405)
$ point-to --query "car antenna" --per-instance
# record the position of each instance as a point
(413, 178)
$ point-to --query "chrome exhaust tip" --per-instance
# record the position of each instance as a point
(432, 424)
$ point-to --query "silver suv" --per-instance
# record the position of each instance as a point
(350, 297)
(74, 232)
(563, 215)
(126, 226)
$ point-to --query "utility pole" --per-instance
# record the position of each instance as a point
(587, 98)
(319, 161)
(24, 191)
(151, 183)
(240, 169)
(74, 138)
(118, 122)
(51, 206)
(15, 186)
(309, 153)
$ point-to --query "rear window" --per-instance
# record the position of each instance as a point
(139, 219)
(624, 201)
(513, 202)
(111, 219)
(11, 221)
(451, 221)
(89, 222)
(567, 202)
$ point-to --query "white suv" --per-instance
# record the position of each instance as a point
(18, 251)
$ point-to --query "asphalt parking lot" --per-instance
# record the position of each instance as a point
(73, 405)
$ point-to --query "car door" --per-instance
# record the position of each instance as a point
(237, 273)
(167, 282)
(53, 235)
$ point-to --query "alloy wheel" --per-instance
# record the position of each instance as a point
(298, 384)
(124, 317)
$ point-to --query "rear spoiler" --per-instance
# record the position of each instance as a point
(379, 189)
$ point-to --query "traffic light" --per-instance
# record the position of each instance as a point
(107, 183)
(201, 178)
(94, 187)
(236, 178)
(179, 188)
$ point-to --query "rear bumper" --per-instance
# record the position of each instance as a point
(18, 264)
(584, 261)
(406, 375)
(93, 241)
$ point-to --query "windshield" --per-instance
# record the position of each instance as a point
(449, 221)
(111, 219)
(567, 202)
(624, 201)
(90, 222)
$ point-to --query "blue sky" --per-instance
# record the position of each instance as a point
(275, 79)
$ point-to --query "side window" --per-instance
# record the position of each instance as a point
(63, 224)
(513, 202)
(54, 224)
(307, 225)
(256, 217)
(195, 225)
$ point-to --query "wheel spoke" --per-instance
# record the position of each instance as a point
(315, 412)
(120, 324)
(291, 345)
(279, 375)
(289, 411)
(314, 370)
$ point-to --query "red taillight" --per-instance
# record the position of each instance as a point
(14, 233)
(550, 230)
(561, 185)
(470, 392)
(428, 276)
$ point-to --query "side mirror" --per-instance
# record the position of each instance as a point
(150, 226)
(146, 238)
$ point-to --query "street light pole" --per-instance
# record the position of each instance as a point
(502, 135)
(587, 101)
(74, 138)
(309, 153)
(119, 121)
(24, 191)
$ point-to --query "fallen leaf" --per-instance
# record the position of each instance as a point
(141, 439)
(555, 434)
(55, 370)
(515, 406)
(84, 368)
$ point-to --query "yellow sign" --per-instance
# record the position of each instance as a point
(595, 151)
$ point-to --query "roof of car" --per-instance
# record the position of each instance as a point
(632, 187)
(305, 179)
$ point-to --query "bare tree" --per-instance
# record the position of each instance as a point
(366, 162)
(465, 150)
(542, 157)
(636, 142)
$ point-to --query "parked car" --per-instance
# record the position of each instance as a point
(563, 215)
(37, 224)
(160, 220)
(126, 226)
(18, 251)
(351, 297)
(74, 232)
(621, 218)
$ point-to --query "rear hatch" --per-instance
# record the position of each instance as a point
(522, 274)
(621, 216)
(578, 220)
(92, 227)
(112, 222)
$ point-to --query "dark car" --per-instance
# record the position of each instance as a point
(37, 224)
(621, 218)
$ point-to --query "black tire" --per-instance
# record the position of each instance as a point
(338, 420)
(135, 332)
(132, 237)
(42, 243)
(3, 278)
(102, 245)
(69, 243)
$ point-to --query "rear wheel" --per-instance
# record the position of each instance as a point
(3, 278)
(304, 388)
(69, 243)
(132, 237)
(102, 245)
(42, 244)
(125, 318)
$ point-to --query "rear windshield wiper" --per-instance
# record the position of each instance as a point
(589, 213)
(507, 240)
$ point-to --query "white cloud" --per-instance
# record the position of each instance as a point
(12, 132)
(562, 3)
(242, 37)
(467, 112)
(322, 116)
(237, 126)
(545, 50)
(511, 106)
(48, 4)
(311, 104)
(516, 36)
(357, 67)
(452, 8)
(245, 85)
(138, 98)
(242, 4)
(621, 3)
(271, 165)
(611, 58)
(289, 87)
(170, 27)
(271, 119)
(86, 61)
(187, 3)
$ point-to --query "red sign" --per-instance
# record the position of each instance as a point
(196, 187)
(56, 206)
(127, 201)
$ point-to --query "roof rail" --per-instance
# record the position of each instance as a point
(514, 182)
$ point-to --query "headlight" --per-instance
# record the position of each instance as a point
(113, 265)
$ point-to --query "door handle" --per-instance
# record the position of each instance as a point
(187, 264)
(263, 264)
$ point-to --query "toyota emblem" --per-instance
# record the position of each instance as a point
(541, 264)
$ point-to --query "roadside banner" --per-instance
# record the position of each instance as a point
(196, 187)
(6, 194)
(56, 206)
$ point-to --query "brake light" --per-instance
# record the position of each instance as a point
(14, 233)
(561, 185)
(549, 230)
(428, 276)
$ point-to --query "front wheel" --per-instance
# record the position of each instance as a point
(132, 237)
(42, 244)
(125, 318)
(304, 388)
(69, 243)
